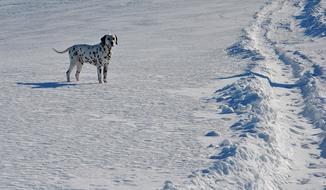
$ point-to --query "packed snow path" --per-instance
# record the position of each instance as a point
(135, 132)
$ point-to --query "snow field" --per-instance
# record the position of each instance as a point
(145, 126)
(158, 123)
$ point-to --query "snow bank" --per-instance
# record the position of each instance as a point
(313, 102)
(242, 162)
(309, 83)
(256, 156)
(243, 50)
(314, 108)
(313, 19)
(310, 76)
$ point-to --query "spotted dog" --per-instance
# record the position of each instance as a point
(98, 55)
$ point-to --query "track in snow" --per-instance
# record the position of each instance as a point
(277, 81)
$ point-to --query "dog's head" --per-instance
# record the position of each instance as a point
(109, 40)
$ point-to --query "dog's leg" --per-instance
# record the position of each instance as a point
(99, 73)
(78, 70)
(71, 67)
(105, 72)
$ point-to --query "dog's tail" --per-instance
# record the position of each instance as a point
(60, 51)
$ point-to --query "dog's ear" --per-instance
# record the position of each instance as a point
(116, 39)
(103, 40)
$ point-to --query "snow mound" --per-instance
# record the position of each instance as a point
(168, 185)
(234, 162)
(242, 49)
(226, 109)
(212, 134)
(248, 96)
(313, 105)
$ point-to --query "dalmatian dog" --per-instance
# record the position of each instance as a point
(98, 55)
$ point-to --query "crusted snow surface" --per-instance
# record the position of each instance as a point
(142, 128)
(162, 122)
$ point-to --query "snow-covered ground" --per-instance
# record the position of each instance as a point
(278, 139)
(140, 129)
(204, 94)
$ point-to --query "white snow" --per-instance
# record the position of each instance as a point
(204, 94)
(276, 143)
(137, 131)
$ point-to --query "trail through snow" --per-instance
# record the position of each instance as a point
(277, 139)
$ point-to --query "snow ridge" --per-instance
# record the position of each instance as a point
(263, 151)
(243, 50)
(255, 145)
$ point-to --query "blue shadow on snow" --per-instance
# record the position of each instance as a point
(240, 50)
(271, 83)
(322, 146)
(225, 153)
(46, 84)
(312, 21)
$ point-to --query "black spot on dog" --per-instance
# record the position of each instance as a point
(103, 41)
